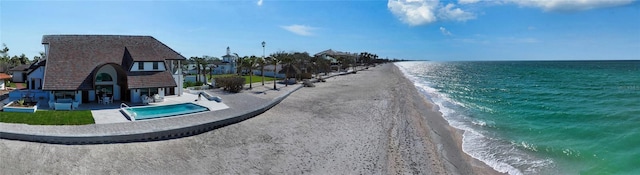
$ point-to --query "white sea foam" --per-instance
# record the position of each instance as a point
(500, 155)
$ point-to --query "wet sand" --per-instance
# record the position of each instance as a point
(372, 122)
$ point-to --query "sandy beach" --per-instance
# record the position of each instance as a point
(372, 122)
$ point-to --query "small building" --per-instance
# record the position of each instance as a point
(3, 78)
(85, 67)
(19, 73)
(269, 71)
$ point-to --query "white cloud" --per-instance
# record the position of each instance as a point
(259, 2)
(445, 31)
(467, 1)
(570, 5)
(299, 29)
(449, 12)
(414, 12)
(419, 12)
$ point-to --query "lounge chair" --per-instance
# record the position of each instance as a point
(145, 99)
(157, 98)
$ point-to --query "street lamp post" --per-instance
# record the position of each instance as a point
(264, 61)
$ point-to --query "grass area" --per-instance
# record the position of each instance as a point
(255, 78)
(10, 84)
(82, 117)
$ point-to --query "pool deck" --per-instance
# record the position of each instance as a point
(111, 113)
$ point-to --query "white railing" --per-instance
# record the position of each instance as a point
(124, 108)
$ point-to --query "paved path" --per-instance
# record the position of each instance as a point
(20, 86)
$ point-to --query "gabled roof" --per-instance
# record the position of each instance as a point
(72, 58)
(23, 67)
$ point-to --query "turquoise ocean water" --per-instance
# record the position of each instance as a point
(544, 117)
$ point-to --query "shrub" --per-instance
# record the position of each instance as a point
(199, 83)
(188, 84)
(232, 84)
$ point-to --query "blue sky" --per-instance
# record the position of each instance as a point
(408, 29)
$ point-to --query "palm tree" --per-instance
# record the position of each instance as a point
(287, 60)
(275, 62)
(238, 64)
(213, 63)
(261, 62)
(194, 60)
(250, 64)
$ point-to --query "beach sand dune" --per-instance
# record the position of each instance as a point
(372, 122)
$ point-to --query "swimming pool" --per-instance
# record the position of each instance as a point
(149, 112)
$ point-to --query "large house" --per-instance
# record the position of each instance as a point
(86, 67)
(228, 65)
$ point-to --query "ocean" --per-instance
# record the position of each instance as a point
(540, 117)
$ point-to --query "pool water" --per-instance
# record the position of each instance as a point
(149, 112)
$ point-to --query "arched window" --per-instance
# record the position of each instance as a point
(103, 77)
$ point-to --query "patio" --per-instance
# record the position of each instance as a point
(110, 113)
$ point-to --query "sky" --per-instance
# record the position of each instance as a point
(403, 29)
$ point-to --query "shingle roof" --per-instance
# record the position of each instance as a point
(22, 67)
(4, 76)
(72, 58)
(150, 79)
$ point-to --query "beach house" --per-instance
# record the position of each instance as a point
(229, 64)
(85, 68)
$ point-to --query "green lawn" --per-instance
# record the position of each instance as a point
(82, 117)
(255, 78)
(11, 84)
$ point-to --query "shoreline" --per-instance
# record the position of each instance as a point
(451, 138)
(372, 122)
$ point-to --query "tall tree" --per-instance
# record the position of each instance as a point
(199, 62)
(273, 60)
(250, 63)
(213, 62)
(261, 63)
(286, 59)
(238, 64)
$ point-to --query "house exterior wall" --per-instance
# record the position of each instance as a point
(228, 68)
(114, 75)
(17, 76)
(267, 73)
(179, 81)
(78, 97)
(148, 66)
(92, 95)
(135, 96)
(38, 76)
(192, 78)
(46, 50)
